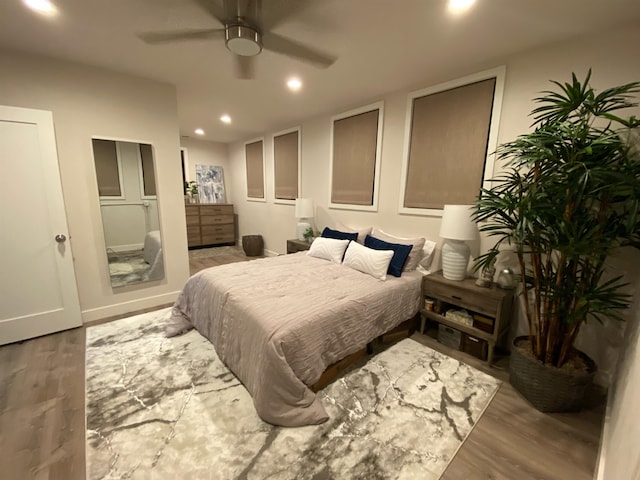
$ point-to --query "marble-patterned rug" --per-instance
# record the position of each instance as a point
(165, 408)
(127, 267)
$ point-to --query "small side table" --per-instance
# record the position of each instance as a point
(296, 245)
(492, 303)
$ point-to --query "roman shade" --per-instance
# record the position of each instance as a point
(354, 158)
(148, 170)
(285, 160)
(107, 168)
(255, 169)
(448, 146)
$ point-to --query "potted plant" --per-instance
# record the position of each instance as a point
(568, 198)
(191, 191)
(308, 235)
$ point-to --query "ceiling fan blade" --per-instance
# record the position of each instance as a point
(244, 67)
(279, 44)
(154, 38)
(214, 9)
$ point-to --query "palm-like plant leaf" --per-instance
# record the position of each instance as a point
(570, 194)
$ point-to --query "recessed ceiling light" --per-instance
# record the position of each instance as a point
(41, 6)
(199, 131)
(457, 6)
(294, 84)
(225, 118)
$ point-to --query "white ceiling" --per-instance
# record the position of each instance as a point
(381, 45)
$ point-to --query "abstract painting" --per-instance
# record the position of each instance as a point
(210, 184)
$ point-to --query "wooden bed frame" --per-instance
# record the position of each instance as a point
(404, 330)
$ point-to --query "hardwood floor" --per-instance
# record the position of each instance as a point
(42, 407)
(42, 427)
(223, 255)
(513, 441)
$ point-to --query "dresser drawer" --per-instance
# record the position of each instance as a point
(193, 235)
(216, 219)
(216, 210)
(485, 301)
(220, 229)
(193, 221)
(192, 210)
(216, 238)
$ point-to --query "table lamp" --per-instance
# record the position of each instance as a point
(457, 226)
(304, 211)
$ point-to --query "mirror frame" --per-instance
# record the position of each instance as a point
(122, 200)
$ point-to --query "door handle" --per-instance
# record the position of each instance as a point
(60, 238)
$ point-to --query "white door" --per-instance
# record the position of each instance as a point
(37, 281)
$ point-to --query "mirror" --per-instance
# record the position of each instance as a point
(125, 173)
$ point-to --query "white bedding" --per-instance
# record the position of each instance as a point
(279, 322)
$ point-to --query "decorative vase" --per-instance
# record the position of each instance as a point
(547, 388)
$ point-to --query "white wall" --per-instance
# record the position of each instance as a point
(90, 102)
(609, 54)
(619, 447)
(203, 152)
(126, 222)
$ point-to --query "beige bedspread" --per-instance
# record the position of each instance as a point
(279, 322)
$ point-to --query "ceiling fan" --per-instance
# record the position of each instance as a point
(246, 33)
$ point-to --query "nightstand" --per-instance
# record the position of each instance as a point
(296, 245)
(490, 310)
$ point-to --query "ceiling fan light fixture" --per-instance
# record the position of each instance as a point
(243, 40)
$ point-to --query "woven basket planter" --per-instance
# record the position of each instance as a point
(252, 245)
(549, 389)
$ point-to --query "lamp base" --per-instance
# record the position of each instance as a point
(302, 228)
(455, 258)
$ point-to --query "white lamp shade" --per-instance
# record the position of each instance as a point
(304, 208)
(457, 223)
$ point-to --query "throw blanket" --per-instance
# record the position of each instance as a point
(279, 322)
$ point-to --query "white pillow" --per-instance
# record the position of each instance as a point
(328, 249)
(416, 251)
(362, 232)
(368, 260)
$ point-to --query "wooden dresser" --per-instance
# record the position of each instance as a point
(210, 224)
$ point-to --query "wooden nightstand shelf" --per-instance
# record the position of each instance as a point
(296, 245)
(492, 304)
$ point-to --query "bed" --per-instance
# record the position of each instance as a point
(279, 322)
(152, 254)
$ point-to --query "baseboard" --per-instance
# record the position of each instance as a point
(270, 253)
(126, 307)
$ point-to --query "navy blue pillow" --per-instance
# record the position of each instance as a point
(400, 253)
(328, 233)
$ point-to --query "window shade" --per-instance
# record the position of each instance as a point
(354, 158)
(285, 159)
(448, 146)
(148, 170)
(106, 160)
(255, 169)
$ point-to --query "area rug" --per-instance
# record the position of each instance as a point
(127, 267)
(164, 408)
